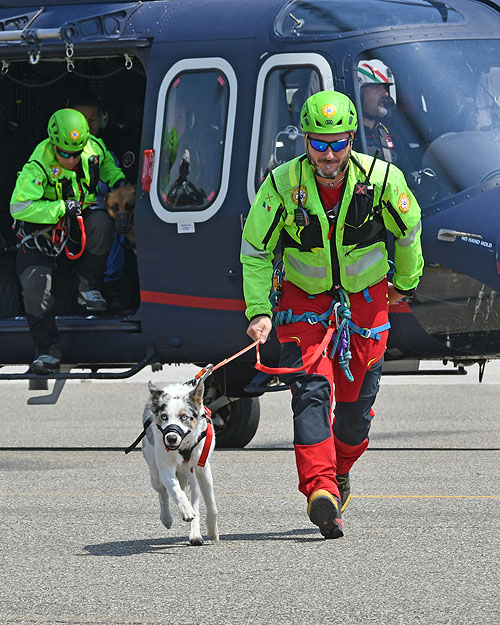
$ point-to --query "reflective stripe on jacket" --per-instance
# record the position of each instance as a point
(43, 184)
(355, 256)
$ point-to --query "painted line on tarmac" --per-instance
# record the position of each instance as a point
(425, 496)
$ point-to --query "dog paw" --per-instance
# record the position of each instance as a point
(187, 512)
(196, 541)
(166, 519)
(212, 528)
(214, 534)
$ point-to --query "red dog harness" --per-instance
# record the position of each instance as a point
(208, 435)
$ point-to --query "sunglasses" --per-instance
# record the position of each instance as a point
(322, 146)
(64, 154)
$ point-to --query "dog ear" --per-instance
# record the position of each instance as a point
(156, 392)
(196, 394)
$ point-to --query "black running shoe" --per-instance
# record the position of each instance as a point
(324, 511)
(45, 364)
(345, 489)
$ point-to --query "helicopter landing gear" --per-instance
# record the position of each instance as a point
(235, 419)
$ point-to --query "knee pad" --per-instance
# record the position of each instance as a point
(353, 419)
(36, 283)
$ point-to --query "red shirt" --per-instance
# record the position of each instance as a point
(330, 196)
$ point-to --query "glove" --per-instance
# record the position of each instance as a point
(73, 208)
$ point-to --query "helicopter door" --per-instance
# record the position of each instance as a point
(191, 255)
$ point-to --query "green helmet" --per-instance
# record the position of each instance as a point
(68, 130)
(328, 112)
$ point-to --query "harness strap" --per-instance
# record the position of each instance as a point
(209, 435)
(147, 423)
(369, 333)
(284, 317)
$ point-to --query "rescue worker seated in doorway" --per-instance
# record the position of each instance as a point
(375, 80)
(53, 199)
(331, 208)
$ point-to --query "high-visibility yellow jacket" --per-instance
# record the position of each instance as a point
(43, 184)
(355, 256)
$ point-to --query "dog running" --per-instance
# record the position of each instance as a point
(177, 447)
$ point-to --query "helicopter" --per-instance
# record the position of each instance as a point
(200, 100)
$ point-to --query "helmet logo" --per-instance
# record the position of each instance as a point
(328, 110)
(74, 134)
(299, 192)
(404, 203)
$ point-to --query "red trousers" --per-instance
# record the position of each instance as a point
(328, 443)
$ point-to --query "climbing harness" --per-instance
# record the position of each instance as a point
(339, 328)
(52, 240)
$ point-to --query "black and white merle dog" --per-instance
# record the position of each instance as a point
(177, 448)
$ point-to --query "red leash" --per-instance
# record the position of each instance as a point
(84, 241)
(308, 362)
(206, 371)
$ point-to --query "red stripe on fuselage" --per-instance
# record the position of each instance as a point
(190, 301)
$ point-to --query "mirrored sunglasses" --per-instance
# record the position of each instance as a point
(322, 146)
(64, 154)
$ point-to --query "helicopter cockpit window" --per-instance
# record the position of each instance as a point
(280, 137)
(300, 18)
(192, 146)
(442, 118)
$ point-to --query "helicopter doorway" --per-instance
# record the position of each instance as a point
(110, 92)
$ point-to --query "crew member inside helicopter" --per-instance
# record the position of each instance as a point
(121, 282)
(52, 204)
(376, 80)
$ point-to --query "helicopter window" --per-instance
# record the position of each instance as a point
(324, 17)
(280, 137)
(444, 121)
(192, 146)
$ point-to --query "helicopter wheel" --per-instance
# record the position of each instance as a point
(235, 419)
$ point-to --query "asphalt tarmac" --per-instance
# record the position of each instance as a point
(81, 540)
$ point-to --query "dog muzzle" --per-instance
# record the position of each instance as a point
(172, 436)
(123, 223)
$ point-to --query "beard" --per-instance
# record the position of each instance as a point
(321, 171)
(381, 111)
(385, 107)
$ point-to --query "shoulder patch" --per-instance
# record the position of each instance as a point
(404, 203)
(55, 171)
